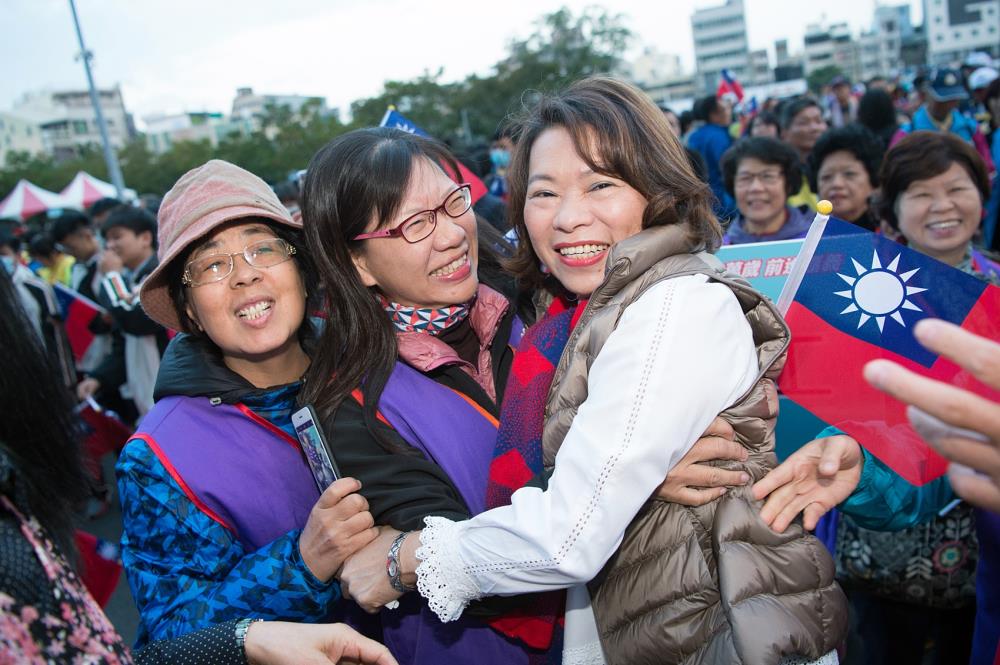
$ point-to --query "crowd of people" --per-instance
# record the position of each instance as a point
(551, 409)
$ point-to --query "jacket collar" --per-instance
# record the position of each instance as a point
(425, 352)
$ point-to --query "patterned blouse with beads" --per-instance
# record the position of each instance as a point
(48, 616)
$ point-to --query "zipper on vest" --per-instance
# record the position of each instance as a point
(215, 401)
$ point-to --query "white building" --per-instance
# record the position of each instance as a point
(720, 42)
(956, 27)
(18, 134)
(251, 106)
(880, 49)
(163, 131)
(826, 46)
(654, 68)
(67, 121)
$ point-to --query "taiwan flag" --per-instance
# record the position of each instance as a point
(729, 85)
(397, 120)
(78, 313)
(859, 298)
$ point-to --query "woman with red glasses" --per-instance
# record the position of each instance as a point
(411, 370)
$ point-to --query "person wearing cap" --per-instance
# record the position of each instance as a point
(940, 113)
(222, 516)
(841, 105)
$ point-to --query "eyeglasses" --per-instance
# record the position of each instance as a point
(417, 227)
(765, 177)
(216, 267)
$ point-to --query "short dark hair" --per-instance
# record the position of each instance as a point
(920, 156)
(307, 270)
(101, 206)
(876, 110)
(793, 107)
(136, 220)
(767, 150)
(41, 244)
(286, 191)
(764, 117)
(853, 138)
(704, 107)
(67, 223)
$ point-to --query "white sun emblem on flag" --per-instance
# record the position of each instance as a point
(878, 292)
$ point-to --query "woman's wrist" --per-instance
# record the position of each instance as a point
(408, 560)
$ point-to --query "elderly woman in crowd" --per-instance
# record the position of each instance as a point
(843, 169)
(761, 173)
(222, 517)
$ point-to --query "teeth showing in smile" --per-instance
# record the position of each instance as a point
(451, 267)
(944, 225)
(254, 311)
(583, 251)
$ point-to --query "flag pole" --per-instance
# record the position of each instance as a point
(114, 170)
(798, 271)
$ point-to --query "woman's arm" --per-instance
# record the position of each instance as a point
(680, 355)
(186, 571)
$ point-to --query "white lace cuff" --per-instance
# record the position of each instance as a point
(441, 575)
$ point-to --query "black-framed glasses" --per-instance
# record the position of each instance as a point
(216, 267)
(417, 227)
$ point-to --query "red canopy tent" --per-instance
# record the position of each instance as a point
(28, 199)
(85, 189)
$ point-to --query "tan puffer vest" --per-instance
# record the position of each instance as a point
(707, 585)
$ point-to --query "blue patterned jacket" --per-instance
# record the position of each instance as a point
(187, 571)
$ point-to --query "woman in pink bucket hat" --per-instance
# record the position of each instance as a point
(222, 516)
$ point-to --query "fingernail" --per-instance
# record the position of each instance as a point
(875, 372)
(744, 478)
(722, 491)
(826, 467)
(926, 330)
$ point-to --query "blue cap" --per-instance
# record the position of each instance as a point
(947, 86)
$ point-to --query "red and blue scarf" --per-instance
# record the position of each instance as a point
(517, 457)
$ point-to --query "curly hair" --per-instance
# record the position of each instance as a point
(853, 138)
(767, 150)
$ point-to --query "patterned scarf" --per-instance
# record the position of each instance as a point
(517, 457)
(431, 320)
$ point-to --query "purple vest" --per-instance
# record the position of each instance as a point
(456, 434)
(236, 467)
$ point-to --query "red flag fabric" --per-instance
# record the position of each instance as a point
(100, 569)
(859, 300)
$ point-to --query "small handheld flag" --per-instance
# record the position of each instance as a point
(78, 313)
(854, 296)
(394, 118)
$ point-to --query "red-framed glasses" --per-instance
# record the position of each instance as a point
(417, 227)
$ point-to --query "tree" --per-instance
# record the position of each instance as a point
(822, 76)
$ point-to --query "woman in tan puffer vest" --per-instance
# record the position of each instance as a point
(610, 212)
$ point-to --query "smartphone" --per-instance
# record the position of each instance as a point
(314, 445)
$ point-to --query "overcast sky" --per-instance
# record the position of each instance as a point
(190, 55)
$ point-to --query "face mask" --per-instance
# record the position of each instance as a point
(500, 158)
(8, 263)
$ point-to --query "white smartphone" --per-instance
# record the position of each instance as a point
(314, 445)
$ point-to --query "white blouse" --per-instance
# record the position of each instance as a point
(681, 354)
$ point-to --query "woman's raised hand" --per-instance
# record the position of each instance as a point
(955, 407)
(282, 643)
(692, 483)
(813, 480)
(338, 526)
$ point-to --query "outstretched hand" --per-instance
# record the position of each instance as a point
(975, 469)
(812, 481)
(283, 643)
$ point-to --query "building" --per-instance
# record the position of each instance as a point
(956, 27)
(163, 131)
(831, 46)
(720, 42)
(668, 93)
(251, 106)
(759, 68)
(18, 134)
(67, 122)
(880, 49)
(786, 66)
(653, 68)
